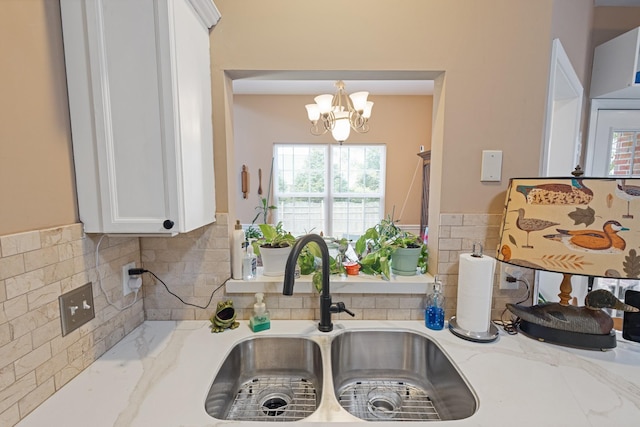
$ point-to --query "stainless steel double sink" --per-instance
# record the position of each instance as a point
(372, 375)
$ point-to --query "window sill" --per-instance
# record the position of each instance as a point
(361, 284)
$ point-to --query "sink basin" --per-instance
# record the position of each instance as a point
(268, 379)
(393, 375)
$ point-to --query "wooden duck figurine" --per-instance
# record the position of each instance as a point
(628, 193)
(531, 224)
(557, 194)
(606, 240)
(589, 319)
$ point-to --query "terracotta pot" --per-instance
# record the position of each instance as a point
(352, 268)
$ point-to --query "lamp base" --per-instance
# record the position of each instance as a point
(568, 338)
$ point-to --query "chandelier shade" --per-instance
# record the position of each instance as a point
(574, 226)
(339, 113)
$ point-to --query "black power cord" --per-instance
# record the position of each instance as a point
(511, 326)
(139, 271)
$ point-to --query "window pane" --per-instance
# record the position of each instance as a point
(358, 169)
(302, 215)
(352, 216)
(625, 159)
(300, 169)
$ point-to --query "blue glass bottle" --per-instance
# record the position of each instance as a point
(434, 310)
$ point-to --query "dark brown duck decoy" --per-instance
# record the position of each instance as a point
(589, 319)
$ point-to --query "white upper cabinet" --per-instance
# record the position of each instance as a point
(616, 67)
(139, 82)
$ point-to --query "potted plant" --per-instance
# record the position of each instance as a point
(385, 247)
(273, 247)
(308, 265)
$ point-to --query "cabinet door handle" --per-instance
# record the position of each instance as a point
(168, 224)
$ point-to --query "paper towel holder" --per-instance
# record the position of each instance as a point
(484, 336)
(476, 250)
(488, 336)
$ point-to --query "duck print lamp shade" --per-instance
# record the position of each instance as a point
(581, 226)
(584, 226)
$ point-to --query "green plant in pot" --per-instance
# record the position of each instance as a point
(273, 247)
(380, 243)
(308, 265)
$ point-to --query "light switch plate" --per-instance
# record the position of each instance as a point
(76, 308)
(491, 165)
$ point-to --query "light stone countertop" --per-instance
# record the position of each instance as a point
(159, 376)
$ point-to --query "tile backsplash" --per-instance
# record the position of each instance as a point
(36, 267)
(194, 264)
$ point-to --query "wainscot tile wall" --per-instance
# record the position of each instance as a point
(36, 267)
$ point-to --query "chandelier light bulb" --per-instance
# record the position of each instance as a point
(313, 112)
(342, 127)
(359, 100)
(340, 113)
(324, 103)
(367, 110)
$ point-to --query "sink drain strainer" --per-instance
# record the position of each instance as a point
(275, 402)
(267, 398)
(381, 400)
(383, 403)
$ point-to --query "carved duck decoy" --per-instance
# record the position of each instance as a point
(628, 193)
(606, 240)
(589, 319)
(575, 193)
(531, 224)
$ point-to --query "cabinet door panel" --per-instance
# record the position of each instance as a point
(195, 123)
(133, 141)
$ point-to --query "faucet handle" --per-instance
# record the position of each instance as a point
(339, 307)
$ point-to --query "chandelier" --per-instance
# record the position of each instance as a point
(340, 113)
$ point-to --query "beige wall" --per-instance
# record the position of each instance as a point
(403, 123)
(609, 22)
(491, 50)
(36, 168)
(495, 54)
(571, 23)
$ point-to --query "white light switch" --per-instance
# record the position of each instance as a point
(491, 165)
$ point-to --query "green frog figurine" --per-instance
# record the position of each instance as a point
(224, 318)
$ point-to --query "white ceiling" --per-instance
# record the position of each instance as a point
(317, 87)
(317, 82)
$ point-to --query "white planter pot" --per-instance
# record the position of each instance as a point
(274, 260)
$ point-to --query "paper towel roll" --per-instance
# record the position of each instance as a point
(475, 288)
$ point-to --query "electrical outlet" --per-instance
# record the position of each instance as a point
(509, 270)
(126, 290)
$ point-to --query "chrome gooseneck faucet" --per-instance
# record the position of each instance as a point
(326, 307)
